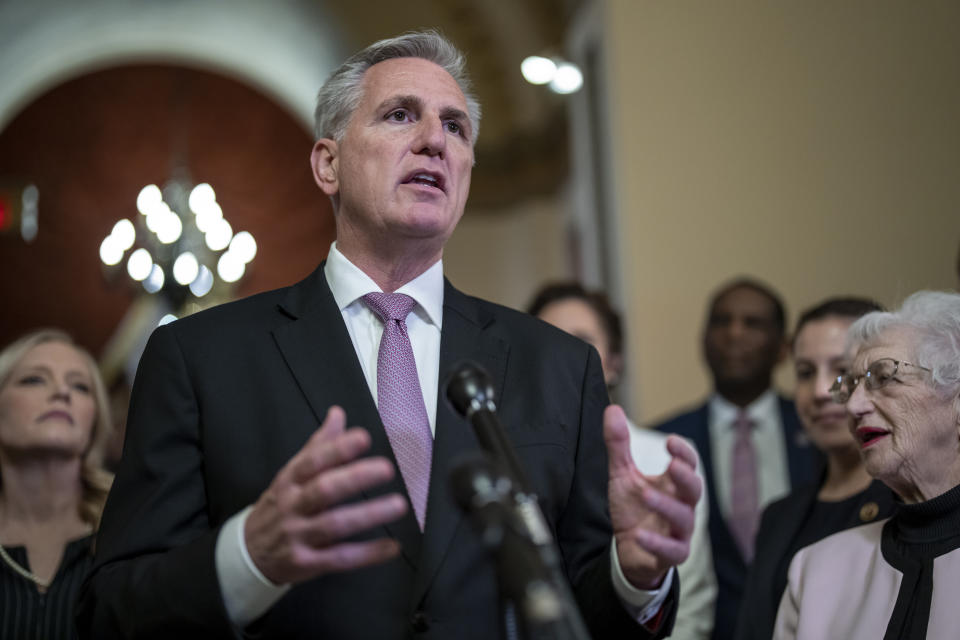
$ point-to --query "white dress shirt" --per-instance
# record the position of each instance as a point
(247, 593)
(698, 582)
(773, 472)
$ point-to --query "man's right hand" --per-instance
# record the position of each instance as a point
(297, 527)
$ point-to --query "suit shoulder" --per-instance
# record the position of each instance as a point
(686, 423)
(230, 317)
(523, 328)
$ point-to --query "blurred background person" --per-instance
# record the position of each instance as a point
(845, 495)
(748, 436)
(590, 316)
(54, 427)
(895, 578)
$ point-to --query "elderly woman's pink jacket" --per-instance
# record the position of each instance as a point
(844, 587)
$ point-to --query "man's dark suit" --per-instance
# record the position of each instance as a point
(224, 398)
(728, 561)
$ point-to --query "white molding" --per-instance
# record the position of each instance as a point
(285, 48)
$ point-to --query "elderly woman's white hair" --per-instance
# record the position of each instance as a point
(935, 317)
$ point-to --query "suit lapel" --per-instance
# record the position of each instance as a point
(318, 350)
(464, 337)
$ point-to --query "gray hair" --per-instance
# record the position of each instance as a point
(935, 316)
(340, 95)
(95, 480)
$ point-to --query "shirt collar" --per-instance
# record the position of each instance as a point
(725, 412)
(348, 284)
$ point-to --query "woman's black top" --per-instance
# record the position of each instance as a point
(27, 614)
(788, 525)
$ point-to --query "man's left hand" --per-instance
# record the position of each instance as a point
(652, 516)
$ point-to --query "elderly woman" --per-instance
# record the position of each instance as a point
(845, 496)
(897, 578)
(54, 427)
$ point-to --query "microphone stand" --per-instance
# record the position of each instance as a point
(493, 492)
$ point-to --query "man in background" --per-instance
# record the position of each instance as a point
(590, 316)
(748, 437)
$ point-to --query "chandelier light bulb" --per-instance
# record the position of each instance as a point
(111, 252)
(124, 234)
(567, 80)
(185, 268)
(230, 268)
(243, 246)
(203, 283)
(201, 196)
(219, 234)
(139, 264)
(155, 280)
(538, 70)
(169, 228)
(149, 197)
(207, 215)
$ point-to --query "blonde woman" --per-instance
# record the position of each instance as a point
(54, 427)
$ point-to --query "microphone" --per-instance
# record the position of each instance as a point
(486, 495)
(508, 514)
(470, 391)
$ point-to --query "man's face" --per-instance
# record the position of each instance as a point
(402, 169)
(742, 342)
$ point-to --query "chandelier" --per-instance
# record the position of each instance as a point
(180, 245)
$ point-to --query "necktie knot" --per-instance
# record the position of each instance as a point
(390, 306)
(743, 423)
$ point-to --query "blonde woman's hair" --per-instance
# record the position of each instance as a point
(95, 480)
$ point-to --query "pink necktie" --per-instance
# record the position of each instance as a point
(744, 511)
(400, 399)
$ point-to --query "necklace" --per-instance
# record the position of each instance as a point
(40, 582)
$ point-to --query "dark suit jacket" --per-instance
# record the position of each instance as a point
(728, 561)
(226, 397)
(777, 543)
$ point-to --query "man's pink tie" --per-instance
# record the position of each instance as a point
(400, 398)
(744, 502)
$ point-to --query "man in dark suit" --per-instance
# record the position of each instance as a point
(748, 437)
(244, 505)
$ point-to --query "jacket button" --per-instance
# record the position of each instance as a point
(419, 621)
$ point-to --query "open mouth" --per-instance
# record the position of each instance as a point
(426, 179)
(868, 436)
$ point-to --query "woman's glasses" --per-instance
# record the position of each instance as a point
(879, 374)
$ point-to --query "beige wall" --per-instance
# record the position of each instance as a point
(816, 145)
(505, 255)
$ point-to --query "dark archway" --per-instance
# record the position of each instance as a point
(90, 145)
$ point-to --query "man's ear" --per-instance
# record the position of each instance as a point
(325, 162)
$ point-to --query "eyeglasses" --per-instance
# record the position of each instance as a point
(879, 374)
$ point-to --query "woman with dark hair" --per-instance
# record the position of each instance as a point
(54, 428)
(844, 497)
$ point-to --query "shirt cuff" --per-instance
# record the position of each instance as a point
(247, 593)
(642, 605)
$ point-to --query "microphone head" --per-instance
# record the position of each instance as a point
(469, 386)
